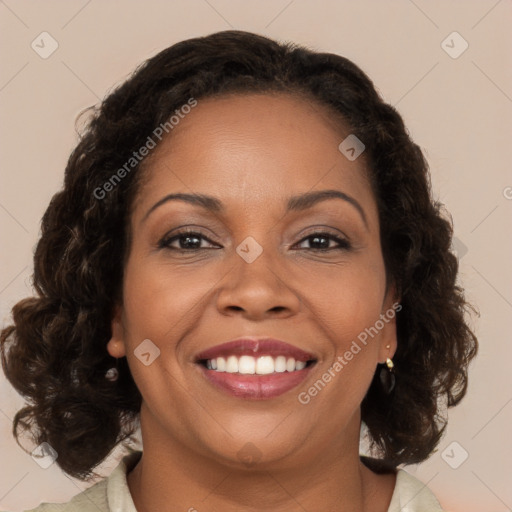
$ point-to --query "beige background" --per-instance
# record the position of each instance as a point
(459, 110)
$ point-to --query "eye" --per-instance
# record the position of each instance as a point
(321, 241)
(186, 240)
(189, 241)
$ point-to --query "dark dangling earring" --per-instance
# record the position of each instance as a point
(112, 374)
(387, 377)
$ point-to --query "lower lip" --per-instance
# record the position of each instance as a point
(256, 387)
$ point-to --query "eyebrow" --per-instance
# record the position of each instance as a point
(295, 203)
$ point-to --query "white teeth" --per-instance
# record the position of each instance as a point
(248, 365)
(280, 364)
(232, 364)
(300, 365)
(265, 365)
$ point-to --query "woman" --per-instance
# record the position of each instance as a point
(245, 257)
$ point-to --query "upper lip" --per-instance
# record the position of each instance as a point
(255, 346)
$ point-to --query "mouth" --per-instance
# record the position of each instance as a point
(255, 368)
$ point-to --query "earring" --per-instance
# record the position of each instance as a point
(387, 377)
(112, 374)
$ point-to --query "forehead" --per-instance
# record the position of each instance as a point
(255, 148)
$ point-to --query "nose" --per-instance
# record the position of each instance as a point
(257, 290)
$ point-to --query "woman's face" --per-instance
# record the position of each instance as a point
(254, 268)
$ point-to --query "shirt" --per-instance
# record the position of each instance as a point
(112, 494)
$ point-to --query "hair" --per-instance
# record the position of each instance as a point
(54, 353)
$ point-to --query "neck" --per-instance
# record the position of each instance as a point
(171, 475)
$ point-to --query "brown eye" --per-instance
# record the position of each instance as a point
(186, 241)
(322, 242)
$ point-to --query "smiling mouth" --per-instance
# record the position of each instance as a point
(255, 369)
(250, 365)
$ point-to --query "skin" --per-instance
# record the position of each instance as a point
(253, 152)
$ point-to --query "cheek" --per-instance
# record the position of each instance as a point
(347, 300)
(346, 305)
(159, 297)
(159, 306)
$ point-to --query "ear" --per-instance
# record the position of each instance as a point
(116, 345)
(388, 339)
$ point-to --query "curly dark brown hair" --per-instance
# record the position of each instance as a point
(54, 353)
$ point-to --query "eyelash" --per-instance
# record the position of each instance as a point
(343, 245)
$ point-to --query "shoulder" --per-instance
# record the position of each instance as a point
(411, 495)
(109, 494)
(93, 499)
